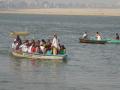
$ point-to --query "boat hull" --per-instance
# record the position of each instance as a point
(93, 41)
(40, 57)
(113, 41)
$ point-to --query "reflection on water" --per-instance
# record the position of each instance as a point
(31, 65)
(47, 73)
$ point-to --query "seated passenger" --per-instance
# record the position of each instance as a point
(30, 49)
(49, 52)
(48, 47)
(33, 49)
(117, 36)
(18, 44)
(14, 45)
(24, 47)
(42, 46)
(62, 49)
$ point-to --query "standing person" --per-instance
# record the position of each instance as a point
(55, 44)
(18, 39)
(17, 42)
(98, 36)
(85, 35)
(117, 36)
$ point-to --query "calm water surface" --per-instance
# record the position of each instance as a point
(88, 67)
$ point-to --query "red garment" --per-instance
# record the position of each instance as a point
(33, 49)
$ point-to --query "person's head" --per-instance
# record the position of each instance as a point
(17, 37)
(38, 41)
(117, 34)
(55, 35)
(15, 42)
(62, 47)
(43, 41)
(33, 44)
(97, 32)
(32, 41)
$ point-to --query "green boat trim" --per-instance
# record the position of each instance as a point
(112, 41)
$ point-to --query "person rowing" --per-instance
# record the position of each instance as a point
(98, 36)
(117, 36)
(85, 35)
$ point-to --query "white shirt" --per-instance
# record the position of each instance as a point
(98, 37)
(55, 43)
(30, 49)
(14, 45)
(84, 35)
(42, 48)
(24, 48)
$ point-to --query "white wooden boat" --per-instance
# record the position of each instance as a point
(39, 56)
(34, 56)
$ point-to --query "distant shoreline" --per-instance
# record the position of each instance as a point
(62, 11)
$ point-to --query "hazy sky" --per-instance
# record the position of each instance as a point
(80, 1)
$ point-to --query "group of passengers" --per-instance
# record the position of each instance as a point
(98, 36)
(39, 46)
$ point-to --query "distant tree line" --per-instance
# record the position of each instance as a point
(48, 4)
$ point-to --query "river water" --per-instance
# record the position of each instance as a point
(88, 66)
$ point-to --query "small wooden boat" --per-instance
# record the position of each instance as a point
(39, 56)
(34, 56)
(93, 41)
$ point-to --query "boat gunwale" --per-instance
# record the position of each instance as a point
(40, 57)
(92, 41)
